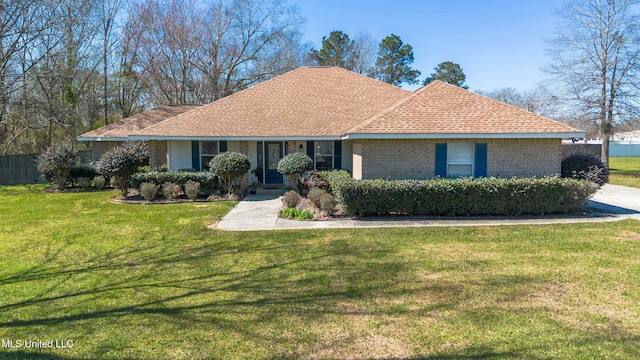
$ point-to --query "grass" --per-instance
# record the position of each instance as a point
(625, 171)
(150, 281)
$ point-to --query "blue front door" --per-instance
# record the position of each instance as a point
(273, 152)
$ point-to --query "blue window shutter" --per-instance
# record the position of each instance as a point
(337, 154)
(310, 149)
(223, 146)
(195, 155)
(481, 160)
(441, 160)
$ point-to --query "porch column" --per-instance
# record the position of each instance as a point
(244, 182)
(153, 154)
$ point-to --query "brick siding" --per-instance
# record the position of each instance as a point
(415, 158)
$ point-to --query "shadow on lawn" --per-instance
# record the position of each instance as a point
(280, 281)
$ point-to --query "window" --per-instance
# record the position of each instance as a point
(323, 155)
(460, 157)
(208, 149)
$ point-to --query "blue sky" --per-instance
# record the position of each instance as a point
(498, 43)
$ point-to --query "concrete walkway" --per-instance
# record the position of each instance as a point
(260, 212)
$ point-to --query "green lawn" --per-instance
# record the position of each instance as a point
(150, 281)
(625, 171)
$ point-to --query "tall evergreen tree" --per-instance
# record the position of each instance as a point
(336, 51)
(448, 72)
(394, 62)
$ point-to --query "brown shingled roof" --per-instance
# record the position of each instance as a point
(441, 108)
(125, 127)
(306, 102)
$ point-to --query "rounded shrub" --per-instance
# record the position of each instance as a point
(121, 162)
(291, 199)
(315, 195)
(229, 166)
(192, 189)
(149, 191)
(586, 167)
(57, 161)
(293, 165)
(328, 203)
(170, 190)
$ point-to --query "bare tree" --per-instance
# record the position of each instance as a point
(595, 56)
(364, 52)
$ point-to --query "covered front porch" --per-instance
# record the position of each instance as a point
(264, 154)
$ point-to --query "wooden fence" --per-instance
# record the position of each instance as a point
(21, 169)
(581, 149)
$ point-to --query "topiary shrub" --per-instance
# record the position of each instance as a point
(586, 167)
(149, 191)
(328, 203)
(56, 163)
(293, 165)
(192, 189)
(291, 199)
(121, 162)
(99, 182)
(229, 166)
(170, 190)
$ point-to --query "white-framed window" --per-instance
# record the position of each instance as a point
(460, 157)
(323, 154)
(208, 149)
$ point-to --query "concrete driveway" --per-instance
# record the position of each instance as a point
(616, 199)
(260, 212)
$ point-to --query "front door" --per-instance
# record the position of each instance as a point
(273, 150)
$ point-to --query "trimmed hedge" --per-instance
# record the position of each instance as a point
(455, 197)
(337, 180)
(208, 181)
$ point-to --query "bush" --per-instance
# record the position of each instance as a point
(208, 182)
(82, 170)
(314, 196)
(149, 191)
(338, 179)
(291, 199)
(293, 213)
(229, 166)
(293, 165)
(121, 162)
(170, 190)
(56, 163)
(452, 197)
(586, 167)
(318, 180)
(192, 189)
(99, 182)
(328, 203)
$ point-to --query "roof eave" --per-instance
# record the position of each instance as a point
(233, 138)
(102, 138)
(530, 135)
